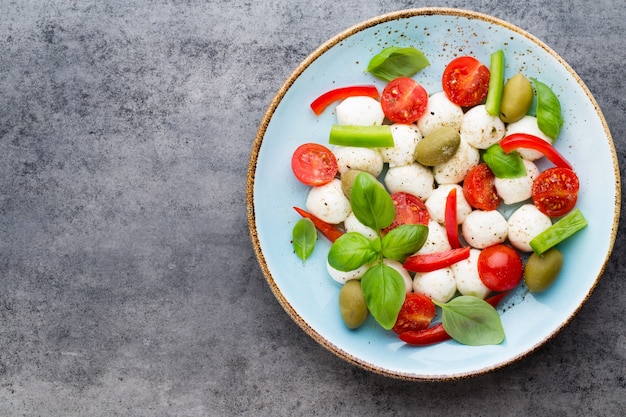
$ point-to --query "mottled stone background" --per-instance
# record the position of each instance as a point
(128, 284)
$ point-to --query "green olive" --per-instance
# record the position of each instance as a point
(517, 97)
(347, 179)
(352, 305)
(542, 270)
(438, 147)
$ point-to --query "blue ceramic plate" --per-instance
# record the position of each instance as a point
(305, 290)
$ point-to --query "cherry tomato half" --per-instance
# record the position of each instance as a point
(555, 191)
(500, 267)
(409, 210)
(479, 188)
(466, 81)
(314, 164)
(403, 100)
(416, 313)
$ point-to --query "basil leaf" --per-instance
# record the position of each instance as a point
(395, 61)
(549, 117)
(472, 321)
(384, 291)
(403, 241)
(504, 165)
(304, 237)
(350, 251)
(371, 203)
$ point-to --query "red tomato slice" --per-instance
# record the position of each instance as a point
(416, 313)
(403, 100)
(500, 267)
(479, 188)
(409, 210)
(314, 164)
(555, 191)
(466, 81)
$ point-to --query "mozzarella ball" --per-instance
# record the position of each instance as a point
(414, 179)
(439, 285)
(524, 224)
(359, 111)
(528, 124)
(352, 224)
(364, 159)
(440, 112)
(344, 276)
(484, 228)
(515, 190)
(437, 240)
(436, 203)
(408, 281)
(456, 168)
(405, 138)
(328, 202)
(466, 276)
(480, 129)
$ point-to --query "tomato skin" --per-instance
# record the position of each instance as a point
(466, 81)
(479, 188)
(416, 313)
(409, 210)
(314, 164)
(500, 267)
(555, 191)
(403, 100)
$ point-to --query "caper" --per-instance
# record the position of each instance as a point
(352, 305)
(542, 270)
(517, 96)
(438, 146)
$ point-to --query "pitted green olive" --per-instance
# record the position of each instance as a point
(347, 179)
(517, 96)
(352, 305)
(438, 147)
(542, 270)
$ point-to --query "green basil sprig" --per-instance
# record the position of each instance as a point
(304, 237)
(471, 321)
(504, 165)
(395, 61)
(549, 117)
(383, 286)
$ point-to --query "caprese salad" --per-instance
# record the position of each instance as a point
(412, 188)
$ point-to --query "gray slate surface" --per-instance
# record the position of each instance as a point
(128, 284)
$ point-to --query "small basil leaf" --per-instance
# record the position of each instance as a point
(549, 117)
(371, 203)
(404, 240)
(384, 291)
(472, 321)
(395, 61)
(350, 251)
(504, 165)
(304, 237)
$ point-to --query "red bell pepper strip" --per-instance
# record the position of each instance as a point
(524, 140)
(452, 227)
(433, 261)
(331, 231)
(319, 104)
(436, 333)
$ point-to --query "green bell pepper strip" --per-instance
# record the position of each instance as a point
(375, 136)
(496, 83)
(565, 227)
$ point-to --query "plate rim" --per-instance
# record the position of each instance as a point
(267, 117)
